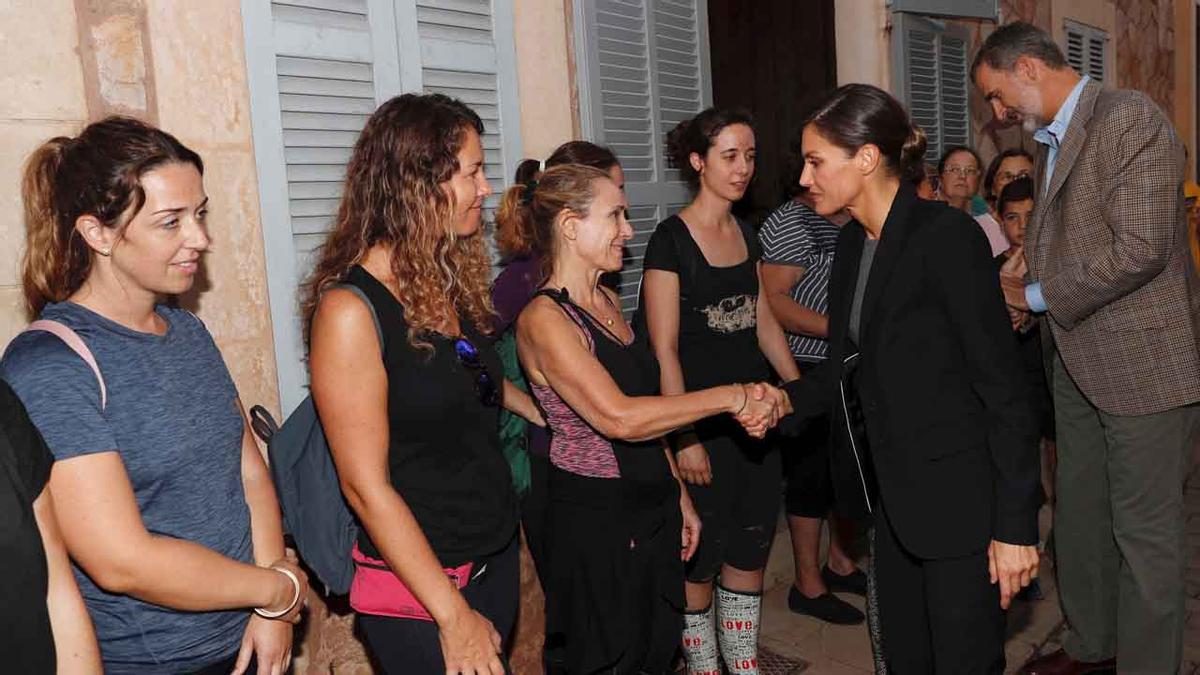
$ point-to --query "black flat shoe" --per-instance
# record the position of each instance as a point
(828, 608)
(855, 582)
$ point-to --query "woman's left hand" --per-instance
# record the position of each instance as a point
(268, 640)
(1013, 566)
(691, 525)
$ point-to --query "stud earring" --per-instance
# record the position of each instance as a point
(106, 252)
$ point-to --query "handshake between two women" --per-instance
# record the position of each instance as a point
(764, 405)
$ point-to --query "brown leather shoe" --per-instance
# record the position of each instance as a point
(1060, 663)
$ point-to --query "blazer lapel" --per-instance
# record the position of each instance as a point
(887, 255)
(1072, 142)
(1033, 230)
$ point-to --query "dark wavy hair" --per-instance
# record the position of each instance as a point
(696, 135)
(393, 196)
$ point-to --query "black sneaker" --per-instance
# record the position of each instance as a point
(828, 608)
(855, 582)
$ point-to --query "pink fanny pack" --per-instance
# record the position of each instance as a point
(378, 591)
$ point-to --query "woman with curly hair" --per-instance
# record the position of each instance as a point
(411, 415)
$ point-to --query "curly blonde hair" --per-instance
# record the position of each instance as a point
(393, 196)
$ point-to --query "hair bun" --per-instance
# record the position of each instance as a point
(913, 150)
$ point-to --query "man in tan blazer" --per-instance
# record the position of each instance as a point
(1108, 272)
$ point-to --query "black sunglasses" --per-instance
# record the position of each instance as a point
(485, 387)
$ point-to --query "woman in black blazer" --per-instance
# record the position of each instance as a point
(936, 437)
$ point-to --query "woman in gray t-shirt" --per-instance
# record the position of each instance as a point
(165, 503)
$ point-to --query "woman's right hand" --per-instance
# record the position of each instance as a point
(286, 590)
(470, 644)
(693, 464)
(762, 408)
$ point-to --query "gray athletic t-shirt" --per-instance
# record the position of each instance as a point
(860, 288)
(172, 416)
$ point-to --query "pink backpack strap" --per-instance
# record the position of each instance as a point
(77, 345)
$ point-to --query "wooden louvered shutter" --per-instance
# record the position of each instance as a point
(1087, 49)
(642, 67)
(931, 79)
(317, 69)
(462, 55)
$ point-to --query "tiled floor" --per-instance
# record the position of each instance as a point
(1034, 627)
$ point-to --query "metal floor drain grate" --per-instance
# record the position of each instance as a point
(770, 663)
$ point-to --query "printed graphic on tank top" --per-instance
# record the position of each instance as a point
(717, 307)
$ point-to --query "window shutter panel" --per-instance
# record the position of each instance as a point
(952, 81)
(460, 58)
(317, 70)
(1097, 44)
(1076, 56)
(1087, 49)
(921, 78)
(932, 80)
(643, 61)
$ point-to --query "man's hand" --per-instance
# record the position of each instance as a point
(1012, 566)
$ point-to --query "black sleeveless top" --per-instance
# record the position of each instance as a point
(444, 446)
(644, 469)
(718, 321)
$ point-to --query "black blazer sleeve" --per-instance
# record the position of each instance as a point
(809, 396)
(964, 275)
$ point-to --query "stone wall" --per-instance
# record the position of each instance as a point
(1145, 49)
(1142, 52)
(73, 62)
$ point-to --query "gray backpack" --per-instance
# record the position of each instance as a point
(315, 513)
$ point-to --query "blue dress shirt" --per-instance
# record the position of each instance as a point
(1051, 136)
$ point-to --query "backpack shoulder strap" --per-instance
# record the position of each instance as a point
(371, 308)
(77, 345)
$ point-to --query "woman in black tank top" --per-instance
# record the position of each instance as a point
(411, 417)
(710, 324)
(614, 585)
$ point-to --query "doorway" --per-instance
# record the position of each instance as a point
(775, 58)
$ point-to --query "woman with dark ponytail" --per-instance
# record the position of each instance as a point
(619, 527)
(710, 324)
(164, 502)
(935, 440)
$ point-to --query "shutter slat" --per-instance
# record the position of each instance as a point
(346, 6)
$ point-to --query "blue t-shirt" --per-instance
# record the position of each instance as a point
(172, 415)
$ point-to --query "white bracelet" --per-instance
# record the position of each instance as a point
(267, 614)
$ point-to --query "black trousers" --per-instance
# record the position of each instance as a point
(412, 647)
(936, 616)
